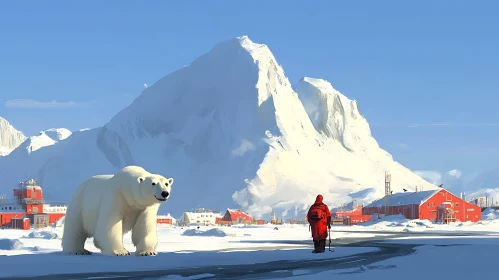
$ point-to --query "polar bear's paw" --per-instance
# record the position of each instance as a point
(146, 253)
(122, 252)
(118, 252)
(82, 253)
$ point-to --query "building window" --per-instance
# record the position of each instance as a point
(202, 216)
(433, 204)
(428, 205)
(457, 204)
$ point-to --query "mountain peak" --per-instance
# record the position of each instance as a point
(325, 88)
(10, 138)
(249, 45)
(57, 134)
(259, 52)
(333, 114)
(45, 138)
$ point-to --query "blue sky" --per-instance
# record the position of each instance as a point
(425, 73)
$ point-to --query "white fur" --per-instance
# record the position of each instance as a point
(106, 207)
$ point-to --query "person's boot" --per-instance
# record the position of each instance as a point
(322, 245)
(316, 247)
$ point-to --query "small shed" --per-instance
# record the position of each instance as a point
(21, 223)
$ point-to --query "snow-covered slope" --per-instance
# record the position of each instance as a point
(484, 184)
(484, 180)
(10, 138)
(59, 168)
(233, 132)
(45, 138)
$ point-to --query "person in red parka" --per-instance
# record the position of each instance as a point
(319, 218)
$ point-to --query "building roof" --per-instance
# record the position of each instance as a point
(167, 216)
(236, 214)
(30, 183)
(405, 198)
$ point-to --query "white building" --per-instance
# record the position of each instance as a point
(200, 217)
(55, 208)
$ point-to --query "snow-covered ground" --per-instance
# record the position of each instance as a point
(178, 247)
(398, 223)
(190, 246)
(440, 258)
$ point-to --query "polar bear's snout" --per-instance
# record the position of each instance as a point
(162, 194)
(165, 194)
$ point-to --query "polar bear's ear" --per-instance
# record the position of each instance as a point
(140, 179)
(170, 181)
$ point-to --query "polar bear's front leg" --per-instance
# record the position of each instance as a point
(109, 231)
(144, 235)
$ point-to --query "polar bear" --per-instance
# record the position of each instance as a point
(106, 207)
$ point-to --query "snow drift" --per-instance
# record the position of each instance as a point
(233, 132)
(490, 214)
(10, 244)
(42, 234)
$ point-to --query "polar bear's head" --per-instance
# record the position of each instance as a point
(154, 188)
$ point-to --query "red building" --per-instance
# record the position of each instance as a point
(28, 203)
(165, 219)
(236, 217)
(260, 222)
(351, 217)
(434, 205)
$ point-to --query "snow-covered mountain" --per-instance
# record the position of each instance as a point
(484, 184)
(233, 132)
(484, 180)
(45, 138)
(10, 138)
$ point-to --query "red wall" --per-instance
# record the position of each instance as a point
(356, 219)
(29, 208)
(5, 218)
(164, 221)
(428, 210)
(409, 211)
(21, 224)
(235, 215)
(26, 193)
(354, 212)
(463, 211)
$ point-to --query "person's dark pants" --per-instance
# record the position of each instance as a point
(320, 246)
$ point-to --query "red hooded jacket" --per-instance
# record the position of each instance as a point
(319, 227)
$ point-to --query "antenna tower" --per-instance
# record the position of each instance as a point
(388, 179)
